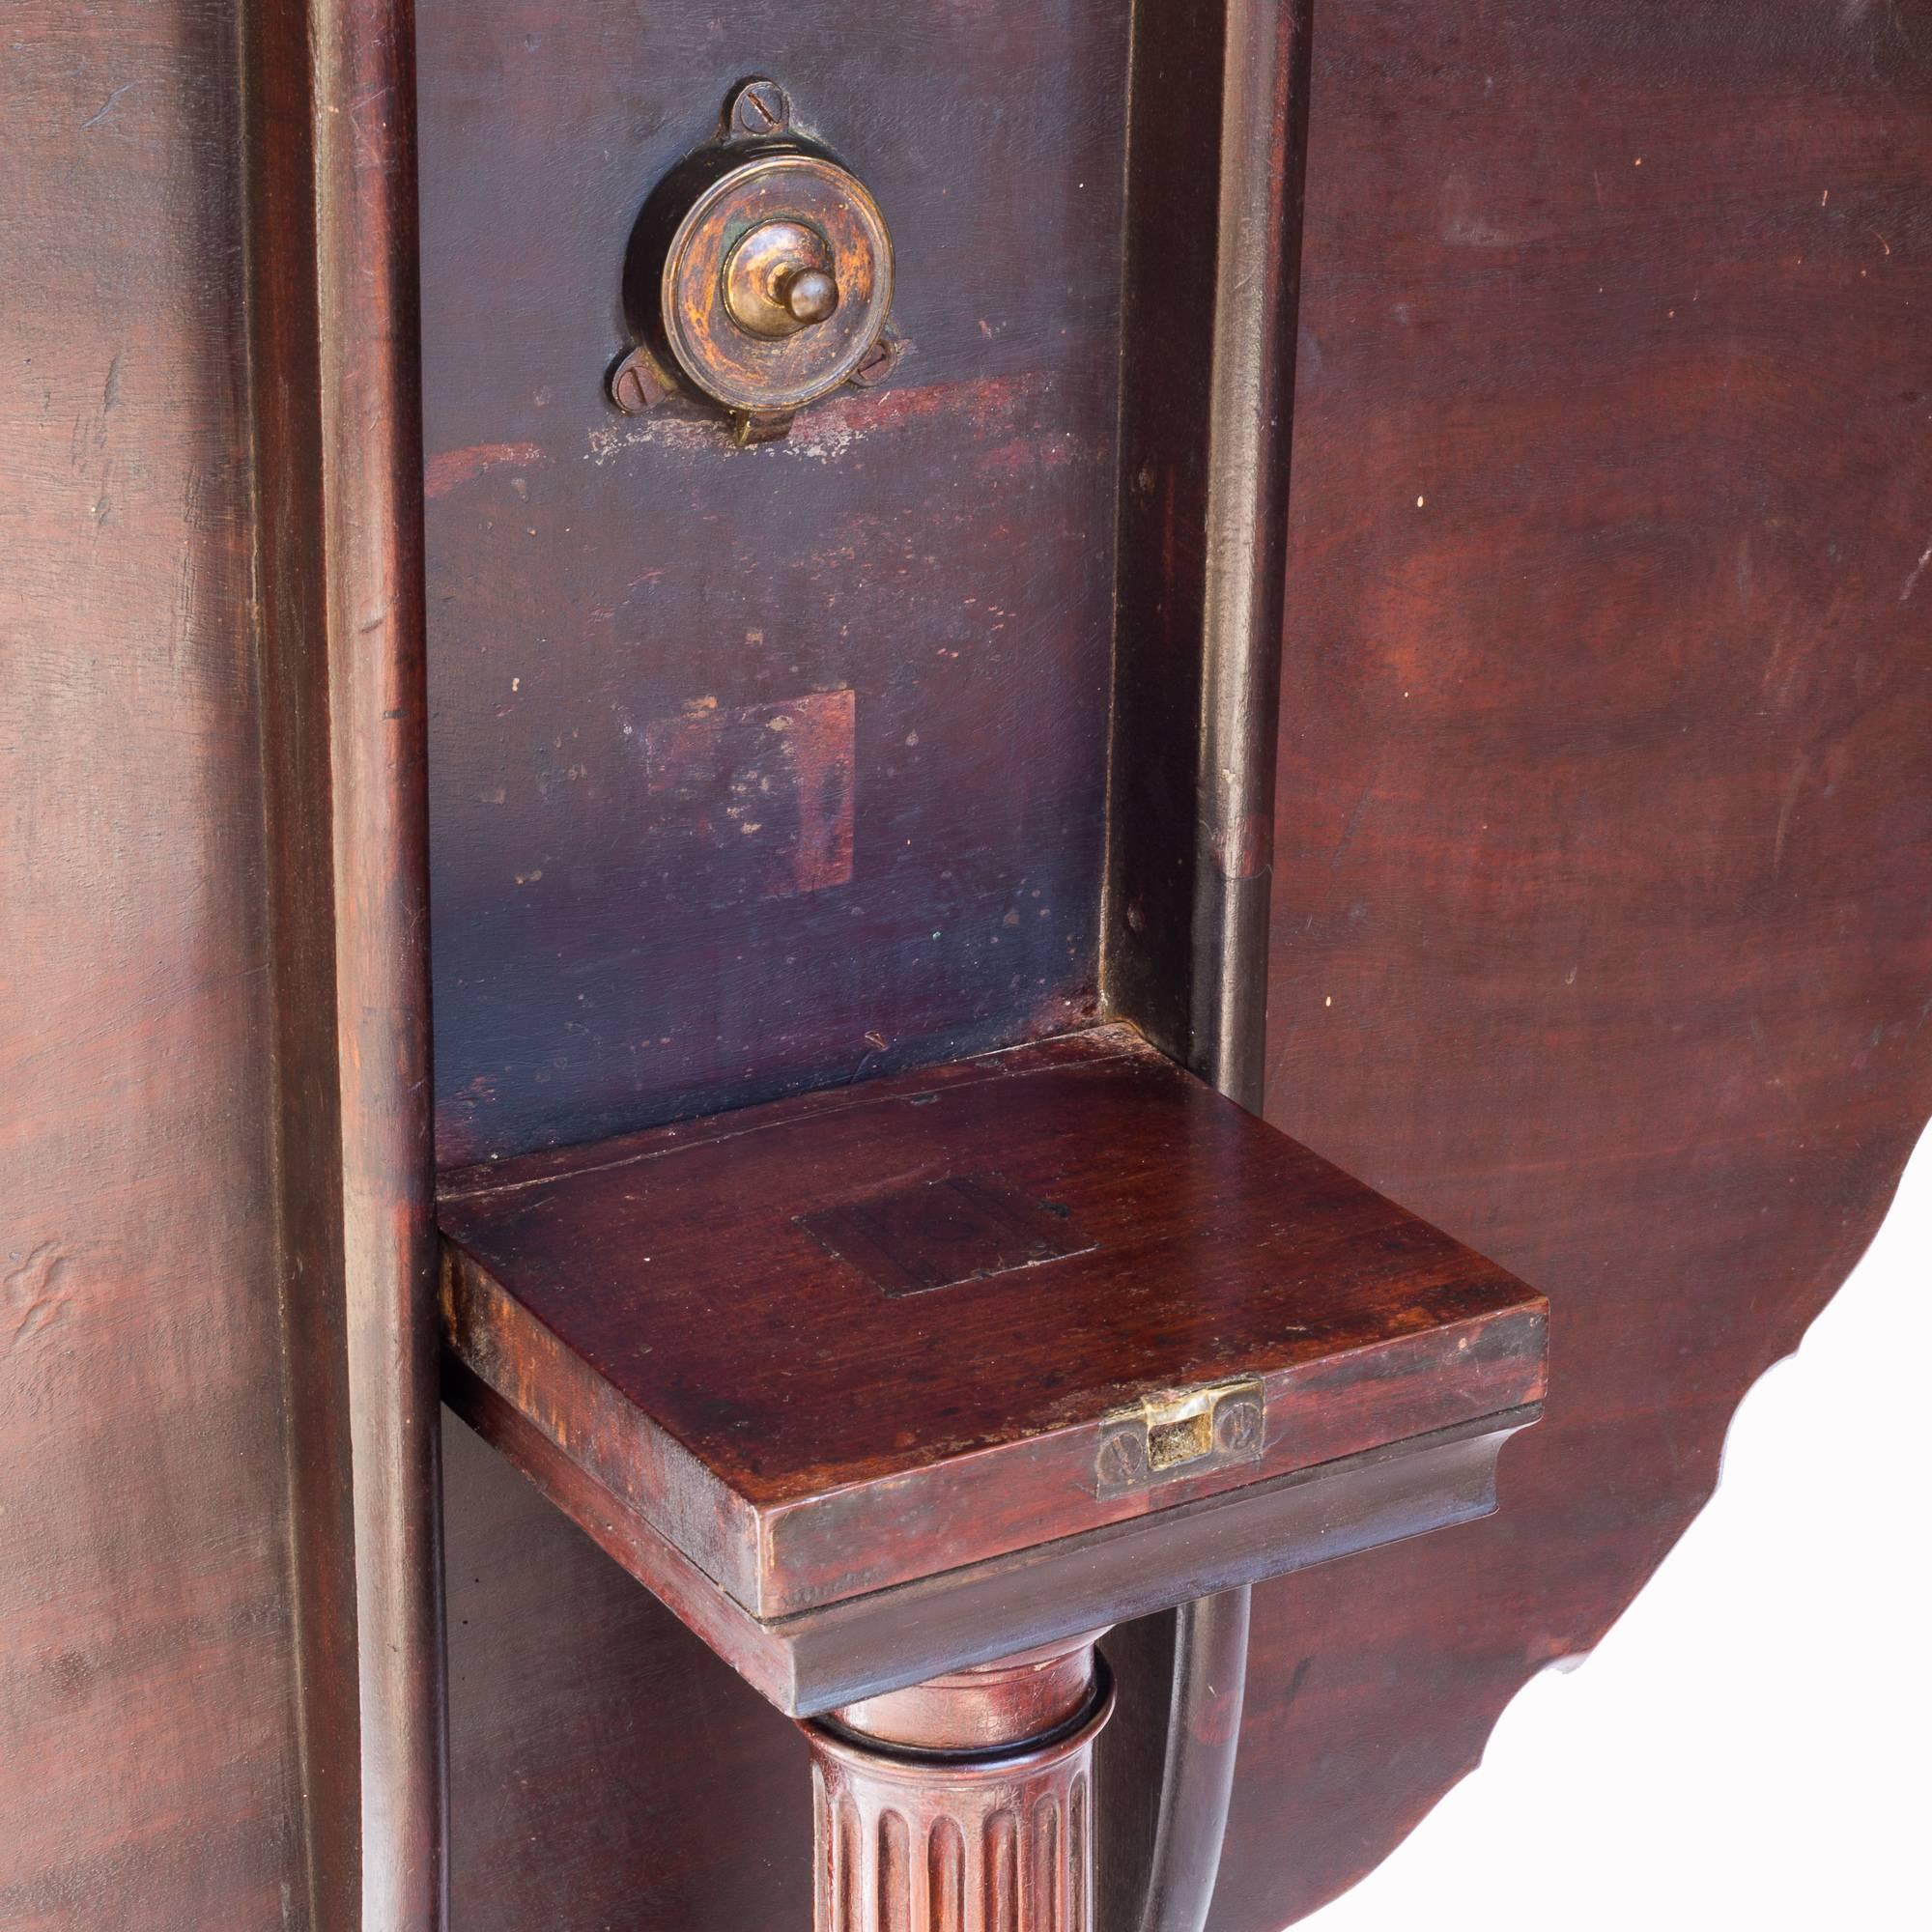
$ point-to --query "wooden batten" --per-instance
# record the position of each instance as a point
(339, 585)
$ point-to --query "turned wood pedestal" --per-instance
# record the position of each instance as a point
(899, 1395)
(964, 1804)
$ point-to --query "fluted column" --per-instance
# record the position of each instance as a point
(965, 1803)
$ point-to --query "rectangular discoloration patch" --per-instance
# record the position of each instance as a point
(757, 803)
(942, 1232)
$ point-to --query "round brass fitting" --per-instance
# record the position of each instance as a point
(780, 278)
(778, 281)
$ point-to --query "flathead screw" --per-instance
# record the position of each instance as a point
(636, 383)
(878, 361)
(759, 108)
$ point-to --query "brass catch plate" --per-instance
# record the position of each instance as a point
(1178, 1437)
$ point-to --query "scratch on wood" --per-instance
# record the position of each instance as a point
(996, 405)
(1245, 850)
(1800, 772)
(1917, 571)
(1348, 828)
(107, 107)
(1770, 1065)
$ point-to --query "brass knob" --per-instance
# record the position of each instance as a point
(778, 280)
(810, 294)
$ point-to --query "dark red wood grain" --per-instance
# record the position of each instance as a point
(1600, 850)
(220, 1698)
(654, 1306)
(149, 1773)
(1603, 839)
(1602, 844)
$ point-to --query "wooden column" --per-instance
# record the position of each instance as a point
(964, 1804)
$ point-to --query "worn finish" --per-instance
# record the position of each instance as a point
(654, 1307)
(942, 547)
(339, 575)
(149, 1766)
(938, 1234)
(1604, 832)
(990, 1707)
(1169, 1439)
(814, 1660)
(788, 770)
(1662, 727)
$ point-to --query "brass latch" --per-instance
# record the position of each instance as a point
(760, 275)
(1179, 1436)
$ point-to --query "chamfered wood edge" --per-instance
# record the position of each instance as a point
(817, 1658)
(307, 1122)
(331, 178)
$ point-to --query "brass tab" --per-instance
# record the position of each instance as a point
(1179, 1436)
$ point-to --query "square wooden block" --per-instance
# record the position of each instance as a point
(872, 1337)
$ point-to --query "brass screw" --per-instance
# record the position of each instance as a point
(1121, 1459)
(1238, 1427)
(636, 383)
(752, 427)
(878, 361)
(760, 107)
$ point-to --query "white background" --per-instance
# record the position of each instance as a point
(1747, 1749)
